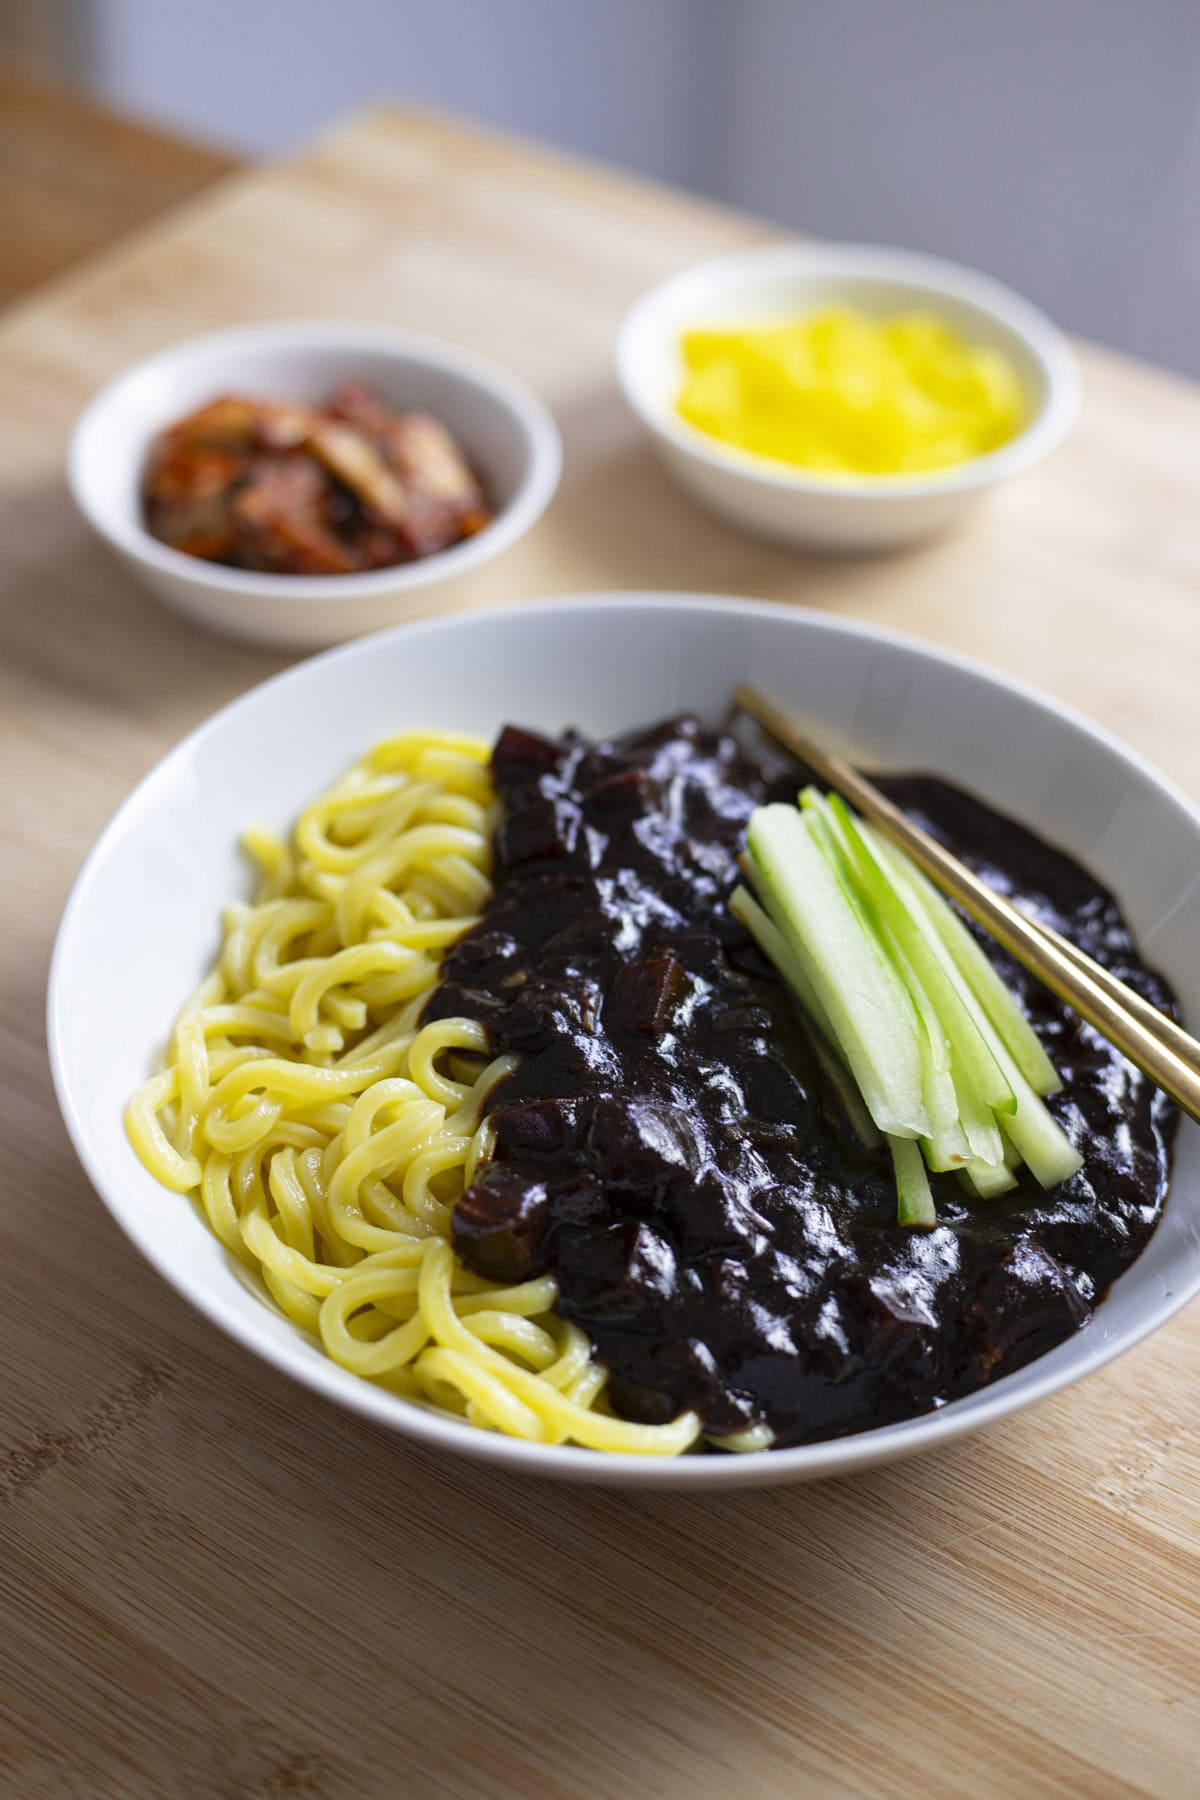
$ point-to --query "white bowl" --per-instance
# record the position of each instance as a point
(142, 923)
(838, 513)
(506, 432)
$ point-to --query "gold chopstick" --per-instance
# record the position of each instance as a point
(1158, 1046)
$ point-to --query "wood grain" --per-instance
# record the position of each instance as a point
(216, 1585)
(73, 177)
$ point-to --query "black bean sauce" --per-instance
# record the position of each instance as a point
(669, 1149)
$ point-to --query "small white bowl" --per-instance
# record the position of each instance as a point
(793, 506)
(505, 431)
(143, 921)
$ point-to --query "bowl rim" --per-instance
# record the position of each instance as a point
(932, 276)
(543, 443)
(320, 1374)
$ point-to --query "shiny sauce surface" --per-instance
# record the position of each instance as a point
(668, 1147)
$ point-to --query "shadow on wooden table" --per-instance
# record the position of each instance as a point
(625, 522)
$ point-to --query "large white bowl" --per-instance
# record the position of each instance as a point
(507, 433)
(142, 923)
(793, 506)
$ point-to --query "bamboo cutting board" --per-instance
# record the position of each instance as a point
(213, 1583)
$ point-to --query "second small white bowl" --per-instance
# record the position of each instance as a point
(794, 506)
(505, 431)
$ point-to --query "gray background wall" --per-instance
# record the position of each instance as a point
(1055, 143)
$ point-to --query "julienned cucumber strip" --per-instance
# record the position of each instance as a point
(962, 1121)
(767, 922)
(763, 922)
(979, 1085)
(1037, 1137)
(914, 1199)
(1040, 1140)
(843, 1084)
(775, 948)
(936, 1048)
(923, 951)
(767, 925)
(983, 1135)
(870, 1014)
(987, 1181)
(1018, 1035)
(947, 1145)
(903, 1003)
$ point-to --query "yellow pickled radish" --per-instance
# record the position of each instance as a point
(842, 392)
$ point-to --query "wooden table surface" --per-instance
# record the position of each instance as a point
(73, 177)
(213, 1583)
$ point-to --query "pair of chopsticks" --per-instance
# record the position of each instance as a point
(1152, 1041)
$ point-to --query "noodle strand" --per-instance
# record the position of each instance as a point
(326, 1132)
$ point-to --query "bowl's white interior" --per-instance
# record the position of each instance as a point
(142, 924)
(290, 362)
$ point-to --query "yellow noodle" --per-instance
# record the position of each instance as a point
(326, 1133)
(755, 1437)
(274, 858)
(147, 1134)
